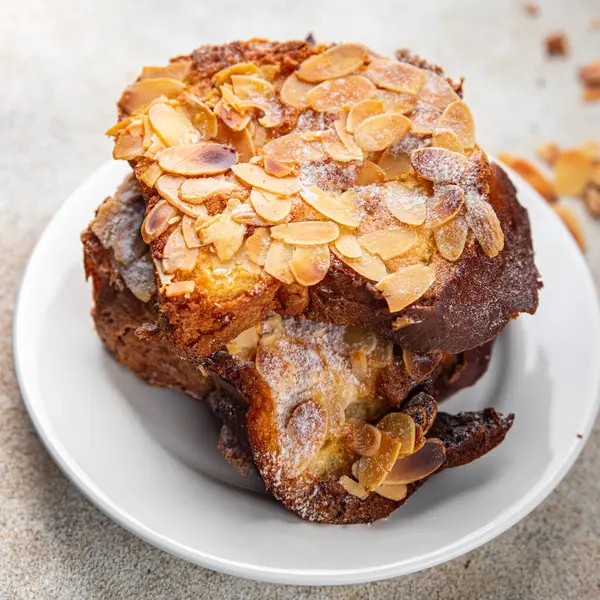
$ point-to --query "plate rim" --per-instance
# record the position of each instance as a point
(504, 521)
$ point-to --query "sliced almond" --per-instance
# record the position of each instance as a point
(458, 118)
(155, 147)
(168, 187)
(306, 233)
(310, 264)
(395, 102)
(250, 87)
(226, 235)
(278, 169)
(419, 366)
(293, 92)
(395, 76)
(255, 176)
(446, 138)
(198, 190)
(531, 174)
(424, 118)
(389, 243)
(361, 111)
(148, 132)
(486, 227)
(242, 68)
(179, 288)
(406, 285)
(241, 141)
(343, 213)
(373, 470)
(150, 174)
(277, 262)
(269, 72)
(451, 237)
(572, 170)
(175, 70)
(331, 96)
(143, 92)
(347, 244)
(245, 213)
(353, 487)
(130, 143)
(437, 91)
(401, 427)
(231, 100)
(395, 164)
(447, 200)
(172, 126)
(368, 173)
(233, 119)
(419, 465)
(368, 265)
(157, 220)
(392, 492)
(408, 205)
(244, 345)
(568, 217)
(381, 131)
(335, 62)
(269, 206)
(188, 229)
(258, 244)
(176, 255)
(364, 439)
(439, 165)
(206, 158)
(402, 322)
(202, 117)
(294, 147)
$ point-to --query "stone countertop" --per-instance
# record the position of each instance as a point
(62, 65)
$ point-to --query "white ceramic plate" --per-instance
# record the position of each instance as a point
(147, 457)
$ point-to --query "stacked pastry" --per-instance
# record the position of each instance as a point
(312, 240)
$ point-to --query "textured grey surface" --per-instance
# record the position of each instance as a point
(62, 64)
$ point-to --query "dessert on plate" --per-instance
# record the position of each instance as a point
(312, 242)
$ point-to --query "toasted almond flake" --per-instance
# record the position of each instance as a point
(572, 170)
(168, 187)
(408, 205)
(231, 100)
(331, 96)
(335, 62)
(119, 126)
(269, 72)
(277, 262)
(401, 427)
(250, 87)
(293, 92)
(391, 492)
(486, 227)
(244, 345)
(419, 465)
(206, 158)
(201, 115)
(424, 118)
(361, 111)
(437, 91)
(176, 255)
(451, 237)
(306, 233)
(446, 138)
(373, 470)
(342, 212)
(179, 288)
(278, 169)
(148, 132)
(226, 235)
(568, 217)
(395, 102)
(310, 264)
(175, 70)
(336, 149)
(395, 164)
(389, 243)
(439, 165)
(381, 131)
(130, 143)
(419, 366)
(143, 92)
(347, 244)
(402, 322)
(188, 229)
(198, 190)
(224, 75)
(172, 126)
(269, 206)
(369, 266)
(245, 214)
(458, 118)
(406, 285)
(364, 438)
(157, 220)
(174, 220)
(531, 174)
(353, 487)
(155, 147)
(233, 119)
(447, 200)
(255, 176)
(347, 140)
(294, 147)
(150, 174)
(257, 245)
(368, 173)
(395, 76)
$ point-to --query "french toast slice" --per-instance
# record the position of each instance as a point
(325, 182)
